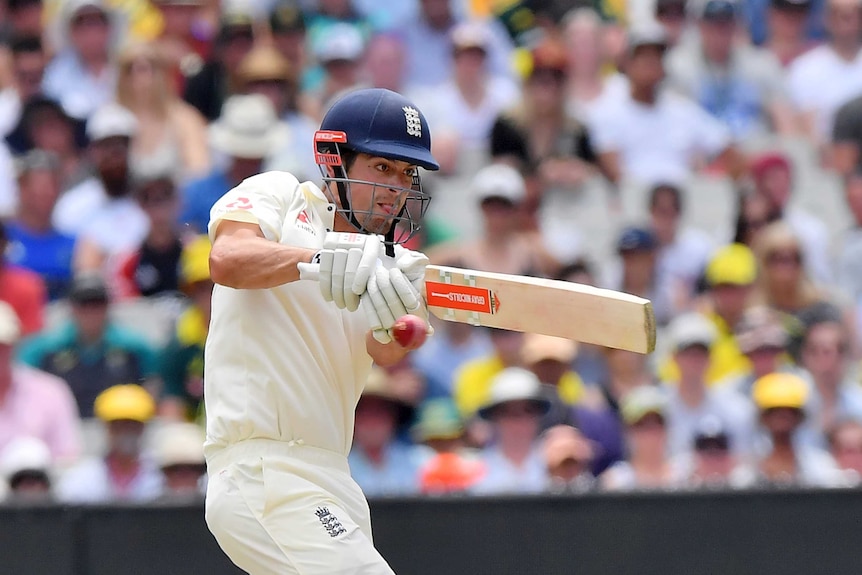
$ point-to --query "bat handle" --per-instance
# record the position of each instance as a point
(308, 271)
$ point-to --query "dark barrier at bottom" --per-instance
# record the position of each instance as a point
(783, 532)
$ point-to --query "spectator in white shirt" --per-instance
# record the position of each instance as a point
(739, 84)
(82, 76)
(648, 135)
(849, 263)
(514, 462)
(683, 251)
(689, 399)
(112, 223)
(463, 108)
(826, 77)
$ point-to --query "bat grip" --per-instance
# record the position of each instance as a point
(308, 271)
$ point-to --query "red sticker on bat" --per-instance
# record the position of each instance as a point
(467, 298)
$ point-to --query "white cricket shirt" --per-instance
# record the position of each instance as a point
(282, 363)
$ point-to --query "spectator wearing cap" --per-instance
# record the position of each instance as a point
(568, 457)
(340, 57)
(265, 71)
(209, 87)
(471, 385)
(713, 463)
(635, 271)
(22, 289)
(380, 462)
(788, 23)
(465, 105)
(152, 269)
(500, 192)
(181, 364)
(739, 84)
(124, 472)
(689, 399)
(683, 252)
(827, 76)
(780, 399)
(82, 75)
(246, 135)
(179, 453)
(26, 468)
(648, 135)
(730, 277)
(118, 225)
(573, 402)
(513, 460)
(171, 135)
(109, 131)
(826, 354)
(34, 242)
(449, 466)
(647, 466)
(550, 359)
(34, 403)
(429, 45)
(90, 351)
(773, 178)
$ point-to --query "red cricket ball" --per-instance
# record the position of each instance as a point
(410, 331)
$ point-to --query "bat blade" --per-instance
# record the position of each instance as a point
(536, 305)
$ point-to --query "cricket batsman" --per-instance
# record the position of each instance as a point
(287, 358)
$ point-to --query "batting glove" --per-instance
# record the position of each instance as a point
(346, 263)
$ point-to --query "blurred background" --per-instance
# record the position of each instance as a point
(705, 154)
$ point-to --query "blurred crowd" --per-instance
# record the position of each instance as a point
(705, 154)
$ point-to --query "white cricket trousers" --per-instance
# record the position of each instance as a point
(280, 508)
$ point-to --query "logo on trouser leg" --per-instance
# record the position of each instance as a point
(330, 522)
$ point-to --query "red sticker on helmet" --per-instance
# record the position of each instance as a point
(330, 136)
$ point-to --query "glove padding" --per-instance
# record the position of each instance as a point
(347, 261)
(396, 292)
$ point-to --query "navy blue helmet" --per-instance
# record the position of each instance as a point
(380, 123)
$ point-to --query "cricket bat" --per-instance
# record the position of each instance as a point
(536, 305)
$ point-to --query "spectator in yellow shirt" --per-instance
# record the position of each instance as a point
(730, 275)
(472, 383)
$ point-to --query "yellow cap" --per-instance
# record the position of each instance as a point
(195, 261)
(733, 264)
(127, 401)
(779, 390)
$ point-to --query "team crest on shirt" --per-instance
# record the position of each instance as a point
(330, 522)
(303, 222)
(414, 124)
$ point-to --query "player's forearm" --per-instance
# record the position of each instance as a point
(254, 262)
